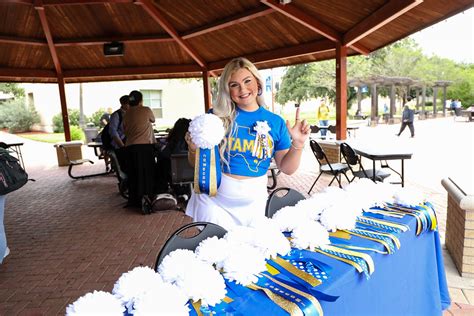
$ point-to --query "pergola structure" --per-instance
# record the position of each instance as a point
(62, 41)
(408, 84)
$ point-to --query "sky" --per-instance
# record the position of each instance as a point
(452, 38)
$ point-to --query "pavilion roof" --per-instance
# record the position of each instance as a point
(41, 40)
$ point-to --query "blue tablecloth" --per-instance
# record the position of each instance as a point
(411, 281)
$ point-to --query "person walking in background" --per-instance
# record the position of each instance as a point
(140, 152)
(323, 116)
(408, 117)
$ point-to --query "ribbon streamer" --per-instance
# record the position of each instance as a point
(207, 171)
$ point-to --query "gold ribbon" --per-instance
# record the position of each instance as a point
(368, 259)
(196, 171)
(308, 278)
(213, 180)
(290, 307)
(371, 238)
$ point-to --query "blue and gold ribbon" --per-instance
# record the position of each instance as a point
(294, 273)
(362, 262)
(207, 171)
(382, 224)
(298, 302)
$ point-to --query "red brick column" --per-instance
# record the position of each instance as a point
(460, 228)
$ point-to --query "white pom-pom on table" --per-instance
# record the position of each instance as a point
(96, 303)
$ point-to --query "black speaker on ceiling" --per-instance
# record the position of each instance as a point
(113, 49)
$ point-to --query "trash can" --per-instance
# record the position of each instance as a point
(73, 149)
(91, 133)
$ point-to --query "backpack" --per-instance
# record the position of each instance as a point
(105, 135)
(12, 175)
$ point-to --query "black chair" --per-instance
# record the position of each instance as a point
(335, 169)
(274, 172)
(275, 202)
(180, 242)
(119, 172)
(354, 161)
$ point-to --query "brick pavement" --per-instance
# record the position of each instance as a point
(69, 237)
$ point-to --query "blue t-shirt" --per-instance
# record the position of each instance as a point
(241, 161)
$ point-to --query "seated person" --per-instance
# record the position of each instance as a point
(175, 144)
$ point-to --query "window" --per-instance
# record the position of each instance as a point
(152, 99)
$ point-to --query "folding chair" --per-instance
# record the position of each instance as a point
(275, 202)
(352, 159)
(335, 169)
(314, 130)
(180, 242)
(182, 173)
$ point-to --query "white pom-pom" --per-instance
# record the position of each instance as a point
(165, 299)
(206, 130)
(212, 250)
(134, 283)
(243, 264)
(268, 238)
(183, 269)
(96, 303)
(309, 235)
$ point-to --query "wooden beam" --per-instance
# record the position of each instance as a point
(62, 98)
(124, 71)
(49, 38)
(155, 13)
(310, 22)
(159, 38)
(282, 53)
(6, 73)
(22, 41)
(57, 65)
(207, 91)
(229, 21)
(341, 91)
(379, 18)
(67, 2)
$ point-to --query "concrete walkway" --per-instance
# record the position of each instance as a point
(71, 237)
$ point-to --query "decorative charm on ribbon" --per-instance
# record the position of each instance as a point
(261, 145)
(207, 132)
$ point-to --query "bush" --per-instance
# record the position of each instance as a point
(95, 117)
(77, 133)
(73, 120)
(16, 117)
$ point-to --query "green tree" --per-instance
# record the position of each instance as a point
(13, 88)
(16, 117)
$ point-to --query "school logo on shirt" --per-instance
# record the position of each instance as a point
(242, 145)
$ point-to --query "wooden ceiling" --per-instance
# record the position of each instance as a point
(41, 41)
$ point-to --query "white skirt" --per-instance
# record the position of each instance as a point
(238, 202)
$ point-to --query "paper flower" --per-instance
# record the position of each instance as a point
(197, 279)
(268, 238)
(206, 130)
(262, 127)
(96, 303)
(343, 212)
(212, 250)
(243, 263)
(309, 234)
(165, 299)
(134, 283)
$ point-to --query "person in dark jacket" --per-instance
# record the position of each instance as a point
(408, 116)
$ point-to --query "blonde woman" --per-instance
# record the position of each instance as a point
(242, 194)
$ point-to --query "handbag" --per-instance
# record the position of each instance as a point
(12, 175)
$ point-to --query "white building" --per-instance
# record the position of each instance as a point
(169, 99)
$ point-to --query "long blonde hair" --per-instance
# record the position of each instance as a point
(224, 107)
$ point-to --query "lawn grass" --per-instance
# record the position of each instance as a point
(44, 137)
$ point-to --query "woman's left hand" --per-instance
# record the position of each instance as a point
(300, 131)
